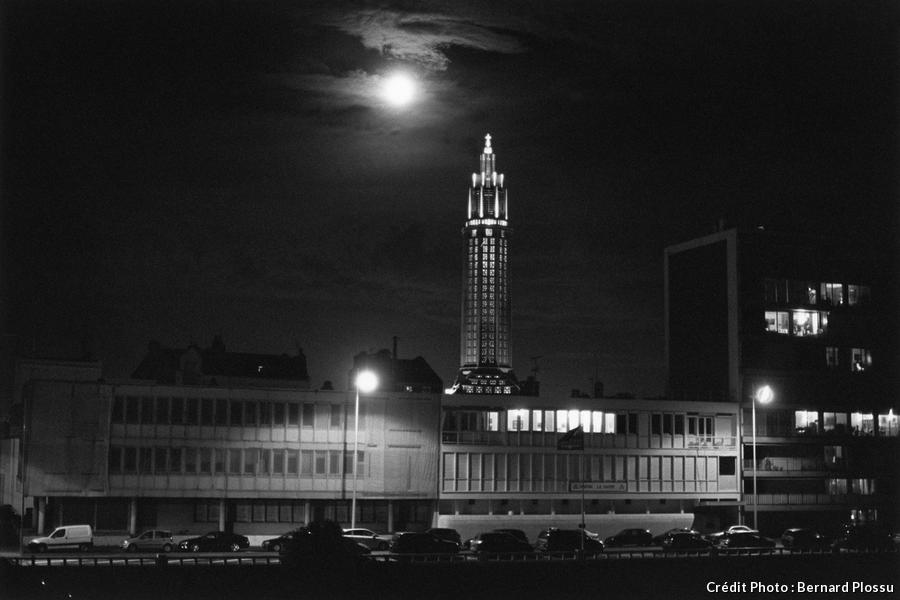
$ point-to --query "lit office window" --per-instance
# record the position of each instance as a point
(549, 420)
(610, 425)
(517, 420)
(805, 323)
(888, 425)
(860, 359)
(597, 421)
(778, 321)
(806, 420)
(858, 294)
(537, 420)
(832, 293)
(832, 357)
(585, 421)
(562, 421)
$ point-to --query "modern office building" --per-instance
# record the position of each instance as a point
(645, 463)
(814, 320)
(257, 459)
(485, 352)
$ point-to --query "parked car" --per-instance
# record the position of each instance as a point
(800, 538)
(497, 541)
(658, 539)
(567, 540)
(409, 542)
(868, 536)
(153, 540)
(215, 541)
(516, 533)
(368, 538)
(719, 536)
(630, 537)
(685, 540)
(277, 544)
(747, 539)
(445, 533)
(67, 537)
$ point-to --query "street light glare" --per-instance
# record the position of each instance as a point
(366, 381)
(764, 394)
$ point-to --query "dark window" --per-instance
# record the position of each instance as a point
(679, 424)
(190, 460)
(206, 411)
(145, 460)
(632, 423)
(237, 413)
(115, 459)
(221, 411)
(656, 423)
(250, 413)
(192, 407)
(336, 410)
(177, 417)
(265, 414)
(278, 413)
(726, 465)
(162, 411)
(667, 423)
(219, 460)
(118, 410)
(293, 413)
(175, 460)
(130, 462)
(309, 414)
(147, 411)
(622, 423)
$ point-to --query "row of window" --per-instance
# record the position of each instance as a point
(863, 487)
(600, 468)
(591, 421)
(146, 410)
(805, 292)
(233, 461)
(799, 323)
(813, 421)
(261, 511)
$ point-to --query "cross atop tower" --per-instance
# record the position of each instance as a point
(487, 144)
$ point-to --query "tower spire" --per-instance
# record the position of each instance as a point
(485, 357)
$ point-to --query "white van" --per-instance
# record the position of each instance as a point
(67, 537)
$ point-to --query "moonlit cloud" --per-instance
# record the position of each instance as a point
(422, 38)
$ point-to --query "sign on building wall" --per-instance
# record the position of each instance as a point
(597, 486)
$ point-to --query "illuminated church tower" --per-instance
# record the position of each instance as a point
(485, 359)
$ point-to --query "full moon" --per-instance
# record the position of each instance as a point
(399, 89)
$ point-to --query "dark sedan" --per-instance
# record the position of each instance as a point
(658, 539)
(215, 541)
(800, 538)
(747, 540)
(422, 543)
(685, 540)
(280, 542)
(494, 541)
(630, 537)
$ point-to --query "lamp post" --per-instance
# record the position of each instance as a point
(366, 381)
(763, 395)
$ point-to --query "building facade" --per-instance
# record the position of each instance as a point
(254, 460)
(812, 319)
(646, 463)
(485, 351)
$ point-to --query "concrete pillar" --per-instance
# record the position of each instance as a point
(222, 515)
(132, 517)
(390, 511)
(307, 512)
(41, 514)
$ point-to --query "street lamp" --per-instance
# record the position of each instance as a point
(366, 381)
(763, 395)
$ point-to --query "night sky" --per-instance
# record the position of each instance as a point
(173, 171)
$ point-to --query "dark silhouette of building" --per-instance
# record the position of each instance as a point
(812, 319)
(216, 366)
(397, 374)
(485, 353)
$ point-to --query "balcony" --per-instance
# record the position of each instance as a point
(793, 465)
(542, 439)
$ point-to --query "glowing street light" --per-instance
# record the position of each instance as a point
(366, 381)
(763, 395)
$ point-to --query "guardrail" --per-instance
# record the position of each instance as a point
(165, 560)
